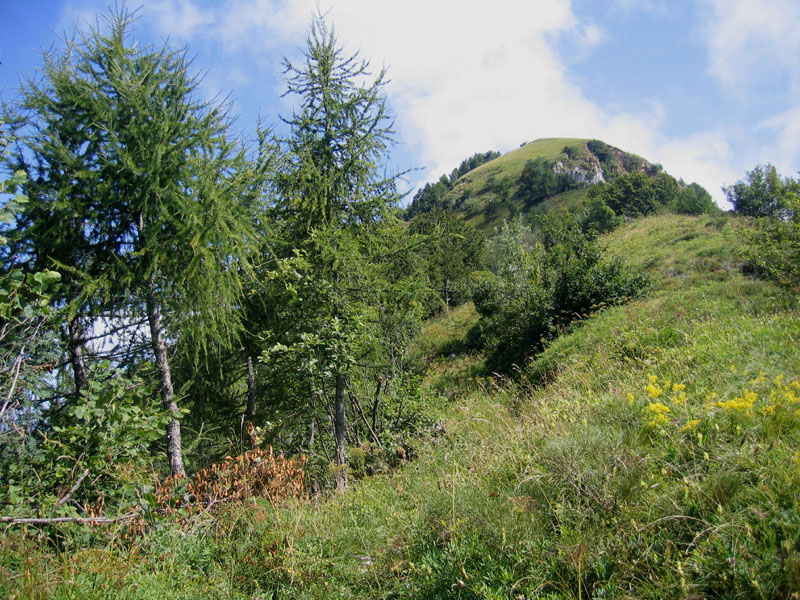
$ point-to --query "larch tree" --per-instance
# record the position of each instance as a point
(333, 193)
(161, 193)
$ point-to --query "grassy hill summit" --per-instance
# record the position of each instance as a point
(546, 174)
(545, 169)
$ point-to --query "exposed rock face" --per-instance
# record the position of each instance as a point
(588, 167)
(580, 174)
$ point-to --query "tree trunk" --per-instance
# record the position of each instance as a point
(375, 404)
(75, 347)
(339, 425)
(174, 449)
(251, 389)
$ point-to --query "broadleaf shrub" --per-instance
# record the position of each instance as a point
(542, 280)
(774, 249)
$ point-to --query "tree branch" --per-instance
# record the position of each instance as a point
(72, 490)
(79, 520)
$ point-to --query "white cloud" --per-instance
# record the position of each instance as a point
(469, 78)
(465, 76)
(751, 39)
(785, 129)
(493, 81)
(592, 35)
(178, 18)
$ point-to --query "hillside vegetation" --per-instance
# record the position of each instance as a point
(244, 372)
(651, 452)
(496, 189)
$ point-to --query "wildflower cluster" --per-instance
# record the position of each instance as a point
(743, 402)
(770, 399)
(659, 411)
(773, 400)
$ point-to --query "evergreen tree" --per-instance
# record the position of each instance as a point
(154, 201)
(452, 250)
(334, 196)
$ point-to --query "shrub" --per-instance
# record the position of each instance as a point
(763, 194)
(774, 249)
(542, 281)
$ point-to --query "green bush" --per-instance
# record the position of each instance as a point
(774, 249)
(542, 281)
(763, 194)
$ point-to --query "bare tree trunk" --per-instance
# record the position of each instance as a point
(339, 426)
(174, 449)
(375, 404)
(75, 347)
(251, 389)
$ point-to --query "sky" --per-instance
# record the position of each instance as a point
(707, 88)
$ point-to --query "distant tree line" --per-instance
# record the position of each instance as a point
(433, 196)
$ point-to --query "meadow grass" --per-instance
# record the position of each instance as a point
(650, 451)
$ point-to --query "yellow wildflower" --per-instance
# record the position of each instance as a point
(653, 391)
(659, 412)
(690, 425)
(680, 398)
(745, 402)
(630, 399)
(678, 387)
(652, 378)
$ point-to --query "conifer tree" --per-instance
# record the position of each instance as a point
(333, 196)
(158, 189)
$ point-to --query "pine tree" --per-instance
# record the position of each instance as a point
(334, 194)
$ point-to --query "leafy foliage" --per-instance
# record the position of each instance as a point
(763, 194)
(694, 200)
(539, 179)
(637, 194)
(542, 280)
(342, 315)
(451, 250)
(431, 197)
(774, 249)
(599, 217)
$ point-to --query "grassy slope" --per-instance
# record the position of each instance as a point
(510, 165)
(556, 490)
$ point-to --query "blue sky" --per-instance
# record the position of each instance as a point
(708, 88)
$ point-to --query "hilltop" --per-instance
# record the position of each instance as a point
(546, 174)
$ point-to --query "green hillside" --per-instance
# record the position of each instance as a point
(238, 372)
(634, 457)
(494, 190)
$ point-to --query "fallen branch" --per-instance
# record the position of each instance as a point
(79, 520)
(71, 491)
